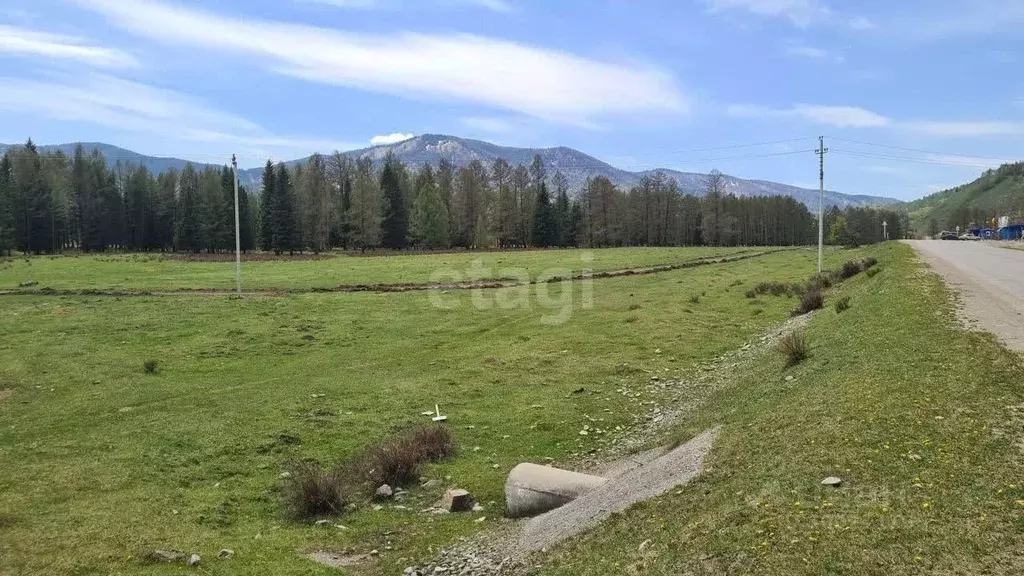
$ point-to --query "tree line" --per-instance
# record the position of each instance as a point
(50, 202)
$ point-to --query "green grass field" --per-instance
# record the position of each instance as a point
(160, 272)
(103, 461)
(922, 421)
(100, 462)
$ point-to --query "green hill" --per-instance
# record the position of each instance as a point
(998, 192)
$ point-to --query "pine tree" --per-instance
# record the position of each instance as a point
(266, 212)
(164, 210)
(574, 225)
(284, 226)
(429, 224)
(246, 234)
(6, 207)
(188, 223)
(396, 216)
(32, 202)
(545, 227)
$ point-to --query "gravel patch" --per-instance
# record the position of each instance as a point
(647, 481)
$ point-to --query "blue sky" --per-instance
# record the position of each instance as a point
(638, 83)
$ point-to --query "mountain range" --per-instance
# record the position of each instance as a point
(575, 165)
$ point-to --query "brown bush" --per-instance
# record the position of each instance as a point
(794, 347)
(851, 268)
(311, 490)
(397, 460)
(812, 300)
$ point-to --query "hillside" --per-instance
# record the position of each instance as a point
(113, 154)
(996, 193)
(577, 167)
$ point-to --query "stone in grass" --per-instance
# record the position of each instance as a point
(832, 481)
(384, 492)
(225, 554)
(194, 560)
(166, 556)
(456, 500)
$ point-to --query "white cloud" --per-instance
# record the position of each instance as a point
(26, 42)
(544, 83)
(861, 23)
(798, 50)
(801, 13)
(838, 116)
(495, 5)
(130, 106)
(361, 4)
(806, 51)
(488, 124)
(393, 138)
(965, 129)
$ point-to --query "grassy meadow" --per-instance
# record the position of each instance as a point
(922, 422)
(154, 272)
(102, 461)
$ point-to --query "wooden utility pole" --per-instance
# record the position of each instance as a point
(238, 232)
(821, 151)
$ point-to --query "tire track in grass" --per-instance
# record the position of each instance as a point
(400, 287)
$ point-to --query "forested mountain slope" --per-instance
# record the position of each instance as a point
(996, 193)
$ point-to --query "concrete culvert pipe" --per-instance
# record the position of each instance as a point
(532, 489)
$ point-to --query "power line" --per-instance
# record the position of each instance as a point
(921, 151)
(734, 146)
(931, 161)
(706, 160)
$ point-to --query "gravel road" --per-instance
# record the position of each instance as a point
(990, 281)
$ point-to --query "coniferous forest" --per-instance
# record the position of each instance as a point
(50, 202)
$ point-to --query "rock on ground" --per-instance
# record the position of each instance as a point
(456, 500)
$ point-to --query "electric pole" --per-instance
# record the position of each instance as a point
(821, 151)
(885, 230)
(238, 232)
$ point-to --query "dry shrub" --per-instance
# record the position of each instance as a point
(811, 300)
(851, 268)
(694, 299)
(773, 288)
(794, 347)
(819, 282)
(150, 366)
(870, 262)
(397, 460)
(311, 490)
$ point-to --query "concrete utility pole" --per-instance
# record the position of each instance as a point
(821, 151)
(885, 230)
(238, 231)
